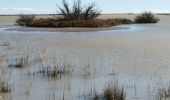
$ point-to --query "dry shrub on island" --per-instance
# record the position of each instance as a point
(25, 20)
(146, 17)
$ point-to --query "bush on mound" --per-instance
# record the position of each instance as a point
(146, 17)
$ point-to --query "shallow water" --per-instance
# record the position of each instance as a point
(136, 56)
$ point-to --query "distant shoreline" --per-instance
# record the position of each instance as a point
(101, 14)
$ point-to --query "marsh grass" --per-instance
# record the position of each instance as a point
(164, 93)
(87, 71)
(110, 92)
(21, 62)
(55, 71)
(114, 93)
(52, 71)
(5, 86)
(6, 44)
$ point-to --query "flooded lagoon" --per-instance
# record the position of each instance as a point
(135, 57)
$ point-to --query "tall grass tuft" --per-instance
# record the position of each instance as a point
(55, 71)
(18, 62)
(5, 85)
(164, 93)
(110, 92)
(146, 17)
(51, 71)
(114, 93)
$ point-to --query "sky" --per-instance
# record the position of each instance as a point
(106, 6)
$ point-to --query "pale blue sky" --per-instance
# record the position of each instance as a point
(107, 6)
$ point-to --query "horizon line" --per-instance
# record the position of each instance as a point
(59, 14)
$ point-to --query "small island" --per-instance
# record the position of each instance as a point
(80, 16)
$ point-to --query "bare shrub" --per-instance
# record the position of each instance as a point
(25, 20)
(146, 17)
(77, 12)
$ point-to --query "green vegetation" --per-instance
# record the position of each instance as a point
(146, 17)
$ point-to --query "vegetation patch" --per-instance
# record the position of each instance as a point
(71, 16)
(25, 20)
(18, 62)
(146, 17)
(54, 23)
(110, 93)
(164, 93)
(5, 85)
(55, 71)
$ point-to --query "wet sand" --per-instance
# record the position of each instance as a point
(136, 57)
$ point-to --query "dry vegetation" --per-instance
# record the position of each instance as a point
(49, 22)
(164, 93)
(146, 17)
(55, 71)
(5, 85)
(110, 92)
(52, 71)
(18, 62)
(76, 16)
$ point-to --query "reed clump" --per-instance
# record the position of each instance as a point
(110, 92)
(163, 93)
(5, 86)
(18, 62)
(54, 71)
